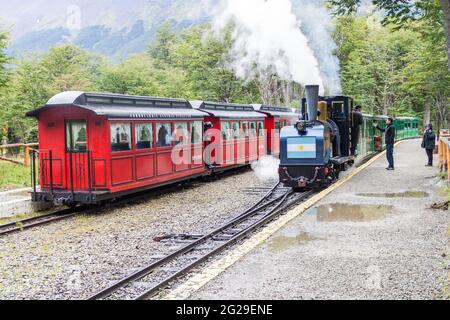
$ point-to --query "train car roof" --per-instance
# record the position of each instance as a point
(275, 111)
(227, 110)
(406, 118)
(117, 106)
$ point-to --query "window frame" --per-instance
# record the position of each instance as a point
(191, 126)
(261, 133)
(132, 140)
(253, 133)
(229, 133)
(70, 136)
(135, 138)
(174, 135)
(170, 133)
(233, 131)
(245, 125)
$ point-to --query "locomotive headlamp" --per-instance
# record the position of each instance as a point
(301, 126)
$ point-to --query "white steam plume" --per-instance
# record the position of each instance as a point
(317, 25)
(266, 168)
(267, 35)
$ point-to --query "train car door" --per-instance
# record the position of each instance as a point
(78, 156)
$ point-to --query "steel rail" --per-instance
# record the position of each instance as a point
(250, 213)
(23, 224)
(266, 219)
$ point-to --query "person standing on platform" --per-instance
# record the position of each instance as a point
(429, 143)
(390, 141)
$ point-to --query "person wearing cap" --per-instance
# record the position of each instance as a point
(390, 141)
(429, 143)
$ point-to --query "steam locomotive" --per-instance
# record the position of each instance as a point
(317, 148)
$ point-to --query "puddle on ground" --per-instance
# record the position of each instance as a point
(345, 212)
(285, 242)
(407, 194)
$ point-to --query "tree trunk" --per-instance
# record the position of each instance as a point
(445, 4)
(427, 114)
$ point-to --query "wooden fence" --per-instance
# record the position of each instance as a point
(444, 152)
(24, 148)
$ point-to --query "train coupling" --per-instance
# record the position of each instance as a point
(302, 182)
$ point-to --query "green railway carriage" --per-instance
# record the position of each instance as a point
(406, 127)
(366, 144)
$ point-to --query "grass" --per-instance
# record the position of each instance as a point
(13, 176)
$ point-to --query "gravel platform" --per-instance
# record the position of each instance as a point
(75, 258)
(358, 243)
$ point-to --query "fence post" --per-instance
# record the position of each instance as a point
(26, 161)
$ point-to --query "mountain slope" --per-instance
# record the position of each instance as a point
(111, 27)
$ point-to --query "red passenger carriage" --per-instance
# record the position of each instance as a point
(236, 135)
(94, 147)
(277, 118)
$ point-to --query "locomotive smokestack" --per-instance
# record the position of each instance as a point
(312, 99)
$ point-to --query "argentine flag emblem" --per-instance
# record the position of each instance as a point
(301, 148)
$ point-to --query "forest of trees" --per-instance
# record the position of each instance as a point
(388, 67)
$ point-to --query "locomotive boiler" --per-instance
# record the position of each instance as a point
(316, 149)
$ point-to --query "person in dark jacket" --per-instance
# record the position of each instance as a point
(390, 141)
(357, 122)
(429, 143)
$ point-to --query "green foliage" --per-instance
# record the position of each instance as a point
(160, 49)
(35, 79)
(138, 75)
(398, 11)
(204, 58)
(3, 58)
(388, 70)
(394, 71)
(403, 13)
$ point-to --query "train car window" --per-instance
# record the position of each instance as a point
(76, 140)
(196, 132)
(226, 134)
(277, 125)
(245, 132)
(144, 136)
(163, 135)
(120, 137)
(181, 133)
(261, 129)
(252, 131)
(236, 130)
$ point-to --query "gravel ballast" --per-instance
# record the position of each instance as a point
(77, 257)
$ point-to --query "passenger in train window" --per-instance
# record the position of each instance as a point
(164, 135)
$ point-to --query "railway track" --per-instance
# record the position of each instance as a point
(29, 223)
(197, 249)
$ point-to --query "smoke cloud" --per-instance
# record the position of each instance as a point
(317, 25)
(266, 168)
(268, 36)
